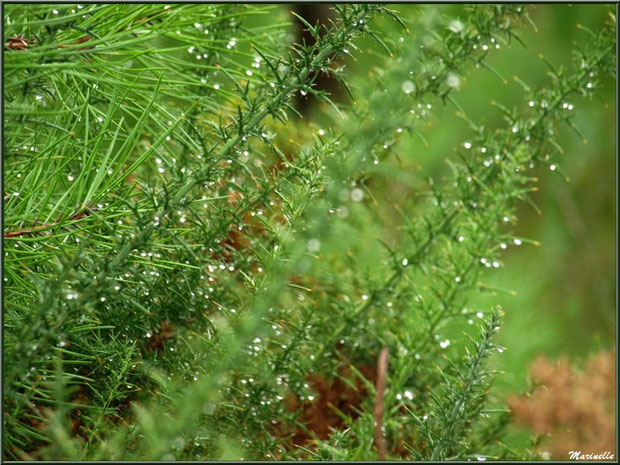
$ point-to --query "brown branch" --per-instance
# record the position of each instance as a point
(382, 367)
(17, 43)
(32, 230)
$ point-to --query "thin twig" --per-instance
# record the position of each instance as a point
(32, 230)
(382, 367)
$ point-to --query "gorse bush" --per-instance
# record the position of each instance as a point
(193, 270)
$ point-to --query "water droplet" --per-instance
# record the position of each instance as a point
(453, 81)
(456, 26)
(405, 262)
(70, 178)
(357, 195)
(517, 242)
(467, 145)
(313, 245)
(408, 87)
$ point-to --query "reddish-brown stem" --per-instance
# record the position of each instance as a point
(32, 230)
(382, 367)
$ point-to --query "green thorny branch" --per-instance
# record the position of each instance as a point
(491, 179)
(464, 395)
(516, 148)
(481, 196)
(369, 126)
(311, 58)
(490, 25)
(356, 154)
(344, 167)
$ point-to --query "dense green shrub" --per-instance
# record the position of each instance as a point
(190, 264)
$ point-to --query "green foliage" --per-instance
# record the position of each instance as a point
(182, 251)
